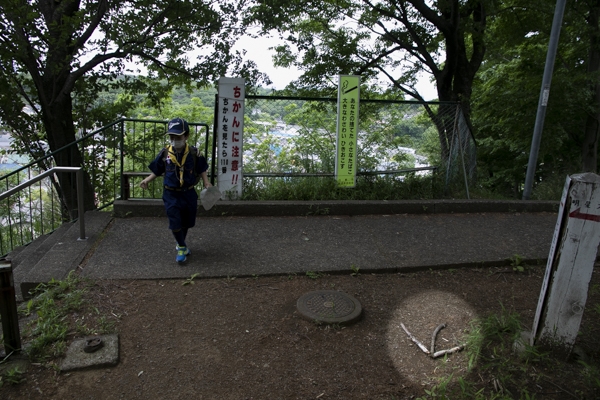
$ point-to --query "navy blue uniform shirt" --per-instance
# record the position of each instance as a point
(181, 206)
(162, 164)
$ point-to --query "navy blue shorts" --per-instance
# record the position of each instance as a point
(181, 208)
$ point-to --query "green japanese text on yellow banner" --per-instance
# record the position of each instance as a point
(347, 129)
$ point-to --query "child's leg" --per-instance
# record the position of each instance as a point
(184, 231)
(179, 237)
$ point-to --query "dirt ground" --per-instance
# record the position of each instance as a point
(245, 339)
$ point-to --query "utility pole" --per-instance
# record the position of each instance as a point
(544, 94)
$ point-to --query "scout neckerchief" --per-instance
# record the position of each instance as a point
(173, 157)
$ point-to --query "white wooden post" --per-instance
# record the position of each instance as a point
(570, 264)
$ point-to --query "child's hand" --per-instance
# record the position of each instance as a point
(147, 180)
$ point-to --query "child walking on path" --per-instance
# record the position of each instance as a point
(183, 168)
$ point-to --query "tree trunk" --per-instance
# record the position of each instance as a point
(455, 81)
(58, 121)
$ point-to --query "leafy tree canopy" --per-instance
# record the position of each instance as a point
(57, 56)
(388, 43)
(507, 90)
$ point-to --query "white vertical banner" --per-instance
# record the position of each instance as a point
(230, 132)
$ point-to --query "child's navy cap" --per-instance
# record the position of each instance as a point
(178, 126)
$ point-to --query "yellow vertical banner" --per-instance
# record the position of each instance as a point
(347, 130)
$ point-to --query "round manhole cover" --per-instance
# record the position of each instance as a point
(329, 306)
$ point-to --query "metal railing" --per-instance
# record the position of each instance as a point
(307, 126)
(128, 145)
(79, 175)
(28, 211)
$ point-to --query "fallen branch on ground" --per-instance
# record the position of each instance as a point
(432, 353)
(414, 339)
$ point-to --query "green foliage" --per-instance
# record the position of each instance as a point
(507, 91)
(381, 43)
(298, 136)
(325, 188)
(12, 376)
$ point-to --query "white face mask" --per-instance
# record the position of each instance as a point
(178, 144)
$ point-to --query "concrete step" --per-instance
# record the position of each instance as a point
(25, 258)
(56, 259)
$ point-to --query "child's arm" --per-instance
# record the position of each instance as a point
(204, 176)
(147, 180)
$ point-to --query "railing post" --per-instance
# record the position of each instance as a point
(8, 309)
(122, 156)
(80, 204)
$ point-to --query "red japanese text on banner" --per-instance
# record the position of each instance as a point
(230, 128)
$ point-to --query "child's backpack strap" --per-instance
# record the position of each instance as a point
(194, 154)
(164, 153)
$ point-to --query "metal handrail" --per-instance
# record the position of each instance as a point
(79, 175)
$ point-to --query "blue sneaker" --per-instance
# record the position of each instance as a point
(182, 253)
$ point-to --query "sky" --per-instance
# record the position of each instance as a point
(258, 51)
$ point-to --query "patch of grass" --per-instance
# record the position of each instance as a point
(60, 310)
(496, 370)
(409, 186)
(355, 270)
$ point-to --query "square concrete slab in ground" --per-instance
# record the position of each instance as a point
(107, 356)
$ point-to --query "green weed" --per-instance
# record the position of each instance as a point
(516, 261)
(12, 376)
(318, 211)
(591, 374)
(313, 275)
(190, 280)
